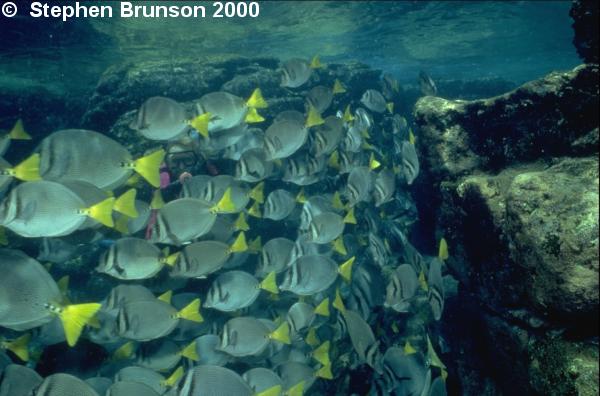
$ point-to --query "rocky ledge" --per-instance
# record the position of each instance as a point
(512, 183)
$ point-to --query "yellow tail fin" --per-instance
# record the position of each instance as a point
(345, 269)
(350, 218)
(18, 132)
(423, 281)
(191, 312)
(338, 88)
(255, 245)
(75, 317)
(19, 346)
(315, 63)
(126, 203)
(148, 167)
(336, 201)
(254, 210)
(123, 352)
(339, 247)
(157, 201)
(296, 390)
(253, 117)
(28, 170)
(63, 285)
(256, 100)
(443, 250)
(338, 303)
(134, 181)
(301, 198)
(325, 372)
(409, 349)
(190, 352)
(323, 308)
(225, 204)
(311, 337)
(313, 118)
(240, 223)
(102, 212)
(171, 259)
(166, 296)
(200, 124)
(121, 224)
(411, 137)
(390, 107)
(432, 356)
(373, 163)
(334, 160)
(270, 283)
(239, 245)
(173, 378)
(281, 334)
(321, 354)
(258, 192)
(347, 115)
(272, 391)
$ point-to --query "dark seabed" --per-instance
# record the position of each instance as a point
(317, 198)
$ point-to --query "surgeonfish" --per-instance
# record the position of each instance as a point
(161, 118)
(410, 162)
(363, 340)
(296, 72)
(212, 380)
(61, 384)
(264, 382)
(279, 205)
(427, 85)
(16, 379)
(248, 336)
(384, 187)
(283, 138)
(401, 288)
(78, 154)
(436, 287)
(312, 274)
(359, 185)
(130, 388)
(374, 101)
(405, 374)
(235, 290)
(275, 256)
(320, 97)
(253, 166)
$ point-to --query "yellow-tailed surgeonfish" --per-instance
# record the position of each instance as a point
(182, 220)
(320, 97)
(234, 290)
(161, 118)
(384, 187)
(131, 388)
(29, 298)
(283, 138)
(427, 85)
(78, 154)
(436, 288)
(296, 72)
(405, 373)
(44, 208)
(363, 340)
(279, 205)
(264, 382)
(248, 336)
(359, 185)
(61, 384)
(212, 189)
(199, 259)
(409, 166)
(133, 259)
(275, 255)
(312, 274)
(327, 137)
(253, 166)
(18, 380)
(401, 288)
(374, 101)
(208, 353)
(213, 380)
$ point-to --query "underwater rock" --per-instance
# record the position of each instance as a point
(512, 184)
(585, 25)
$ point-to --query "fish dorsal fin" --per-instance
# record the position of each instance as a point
(254, 210)
(256, 100)
(313, 118)
(149, 165)
(315, 63)
(348, 117)
(324, 372)
(321, 354)
(323, 308)
(102, 211)
(390, 107)
(173, 378)
(338, 303)
(190, 352)
(166, 296)
(296, 390)
(123, 352)
(20, 346)
(200, 124)
(350, 218)
(126, 203)
(270, 283)
(240, 223)
(443, 250)
(281, 334)
(239, 245)
(258, 192)
(338, 88)
(373, 163)
(334, 160)
(225, 204)
(408, 348)
(28, 170)
(191, 312)
(339, 247)
(75, 317)
(311, 337)
(345, 269)
(18, 132)
(253, 117)
(272, 391)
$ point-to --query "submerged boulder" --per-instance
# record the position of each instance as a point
(512, 184)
